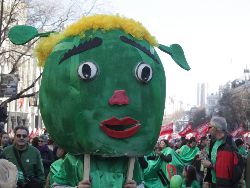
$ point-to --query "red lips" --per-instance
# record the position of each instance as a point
(120, 128)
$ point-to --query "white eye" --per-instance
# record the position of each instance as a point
(87, 70)
(143, 72)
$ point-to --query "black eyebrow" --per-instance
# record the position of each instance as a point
(140, 47)
(82, 47)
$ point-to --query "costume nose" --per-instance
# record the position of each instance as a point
(119, 98)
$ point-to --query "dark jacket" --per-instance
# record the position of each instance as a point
(47, 158)
(225, 162)
(30, 158)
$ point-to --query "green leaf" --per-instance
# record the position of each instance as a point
(22, 34)
(177, 54)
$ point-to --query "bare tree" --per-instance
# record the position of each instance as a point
(199, 117)
(234, 105)
(45, 15)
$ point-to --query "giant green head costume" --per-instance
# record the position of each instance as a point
(103, 86)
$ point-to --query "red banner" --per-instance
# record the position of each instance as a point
(238, 131)
(247, 134)
(186, 130)
(167, 129)
(201, 131)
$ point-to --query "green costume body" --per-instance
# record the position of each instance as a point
(105, 172)
(54, 169)
(31, 160)
(188, 154)
(177, 162)
(151, 178)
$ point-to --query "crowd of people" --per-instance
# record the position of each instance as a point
(212, 162)
(32, 159)
(217, 160)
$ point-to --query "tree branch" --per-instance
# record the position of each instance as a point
(21, 93)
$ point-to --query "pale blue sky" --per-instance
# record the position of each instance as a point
(215, 36)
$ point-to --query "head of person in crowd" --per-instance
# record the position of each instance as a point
(5, 140)
(192, 142)
(218, 127)
(183, 141)
(42, 140)
(8, 174)
(21, 138)
(60, 153)
(189, 175)
(239, 142)
(34, 141)
(163, 144)
(204, 141)
(177, 143)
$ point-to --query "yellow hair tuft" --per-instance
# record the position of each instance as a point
(103, 22)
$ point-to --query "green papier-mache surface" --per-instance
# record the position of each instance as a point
(73, 109)
(104, 172)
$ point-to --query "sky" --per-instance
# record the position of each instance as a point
(214, 34)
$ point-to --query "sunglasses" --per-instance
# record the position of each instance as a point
(21, 135)
(40, 140)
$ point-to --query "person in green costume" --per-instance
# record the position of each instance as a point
(188, 152)
(153, 174)
(102, 93)
(175, 166)
(56, 165)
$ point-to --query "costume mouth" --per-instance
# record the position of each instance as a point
(120, 128)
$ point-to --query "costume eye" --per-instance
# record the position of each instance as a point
(87, 70)
(143, 72)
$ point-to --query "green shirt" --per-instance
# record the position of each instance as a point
(213, 157)
(242, 151)
(30, 159)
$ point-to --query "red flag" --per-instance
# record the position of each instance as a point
(20, 102)
(238, 131)
(37, 132)
(11, 133)
(31, 133)
(186, 130)
(201, 130)
(166, 129)
(247, 134)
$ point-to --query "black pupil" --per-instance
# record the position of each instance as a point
(145, 73)
(86, 71)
